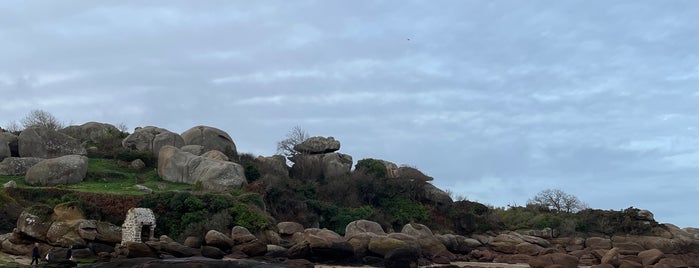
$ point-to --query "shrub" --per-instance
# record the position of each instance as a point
(336, 219)
(404, 210)
(250, 217)
(371, 166)
(193, 203)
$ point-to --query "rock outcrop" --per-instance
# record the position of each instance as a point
(4, 149)
(210, 138)
(92, 132)
(318, 145)
(65, 225)
(69, 169)
(151, 139)
(12, 142)
(411, 173)
(274, 166)
(46, 143)
(16, 166)
(179, 166)
(320, 165)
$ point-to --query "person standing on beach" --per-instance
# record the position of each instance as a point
(35, 254)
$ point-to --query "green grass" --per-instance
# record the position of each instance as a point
(18, 179)
(106, 176)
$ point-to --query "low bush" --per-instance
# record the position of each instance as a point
(371, 166)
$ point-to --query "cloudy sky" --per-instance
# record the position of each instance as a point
(497, 100)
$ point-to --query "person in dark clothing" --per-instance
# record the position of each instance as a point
(35, 254)
(69, 253)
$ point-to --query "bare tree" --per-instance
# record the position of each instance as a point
(41, 118)
(122, 127)
(295, 136)
(557, 200)
(13, 127)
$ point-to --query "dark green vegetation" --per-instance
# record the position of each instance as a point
(276, 194)
(107, 193)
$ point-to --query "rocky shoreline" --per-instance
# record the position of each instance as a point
(365, 243)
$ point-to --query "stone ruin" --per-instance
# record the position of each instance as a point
(139, 225)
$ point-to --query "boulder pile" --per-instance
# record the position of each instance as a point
(366, 243)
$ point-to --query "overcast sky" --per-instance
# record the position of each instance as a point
(497, 100)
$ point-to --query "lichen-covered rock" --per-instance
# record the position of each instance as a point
(336, 164)
(418, 230)
(108, 232)
(320, 165)
(87, 229)
(289, 227)
(598, 243)
(65, 234)
(210, 138)
(92, 132)
(411, 173)
(135, 250)
(381, 245)
(11, 243)
(434, 195)
(241, 235)
(137, 164)
(192, 242)
(561, 259)
(69, 169)
(401, 257)
(4, 150)
(17, 166)
(46, 143)
(10, 184)
(193, 149)
(177, 249)
(321, 244)
(12, 142)
(363, 226)
(217, 239)
(458, 243)
(35, 221)
(318, 145)
(212, 252)
(215, 155)
(645, 215)
(176, 165)
(651, 256)
(274, 166)
(151, 139)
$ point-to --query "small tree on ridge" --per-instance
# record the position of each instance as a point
(557, 200)
(295, 136)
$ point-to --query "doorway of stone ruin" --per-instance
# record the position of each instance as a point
(145, 233)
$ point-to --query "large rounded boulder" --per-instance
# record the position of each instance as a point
(318, 145)
(35, 222)
(151, 139)
(4, 150)
(210, 138)
(47, 143)
(69, 169)
(16, 166)
(12, 142)
(176, 165)
(92, 132)
(363, 226)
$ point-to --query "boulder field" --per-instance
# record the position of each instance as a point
(364, 243)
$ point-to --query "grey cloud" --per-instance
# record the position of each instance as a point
(496, 100)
